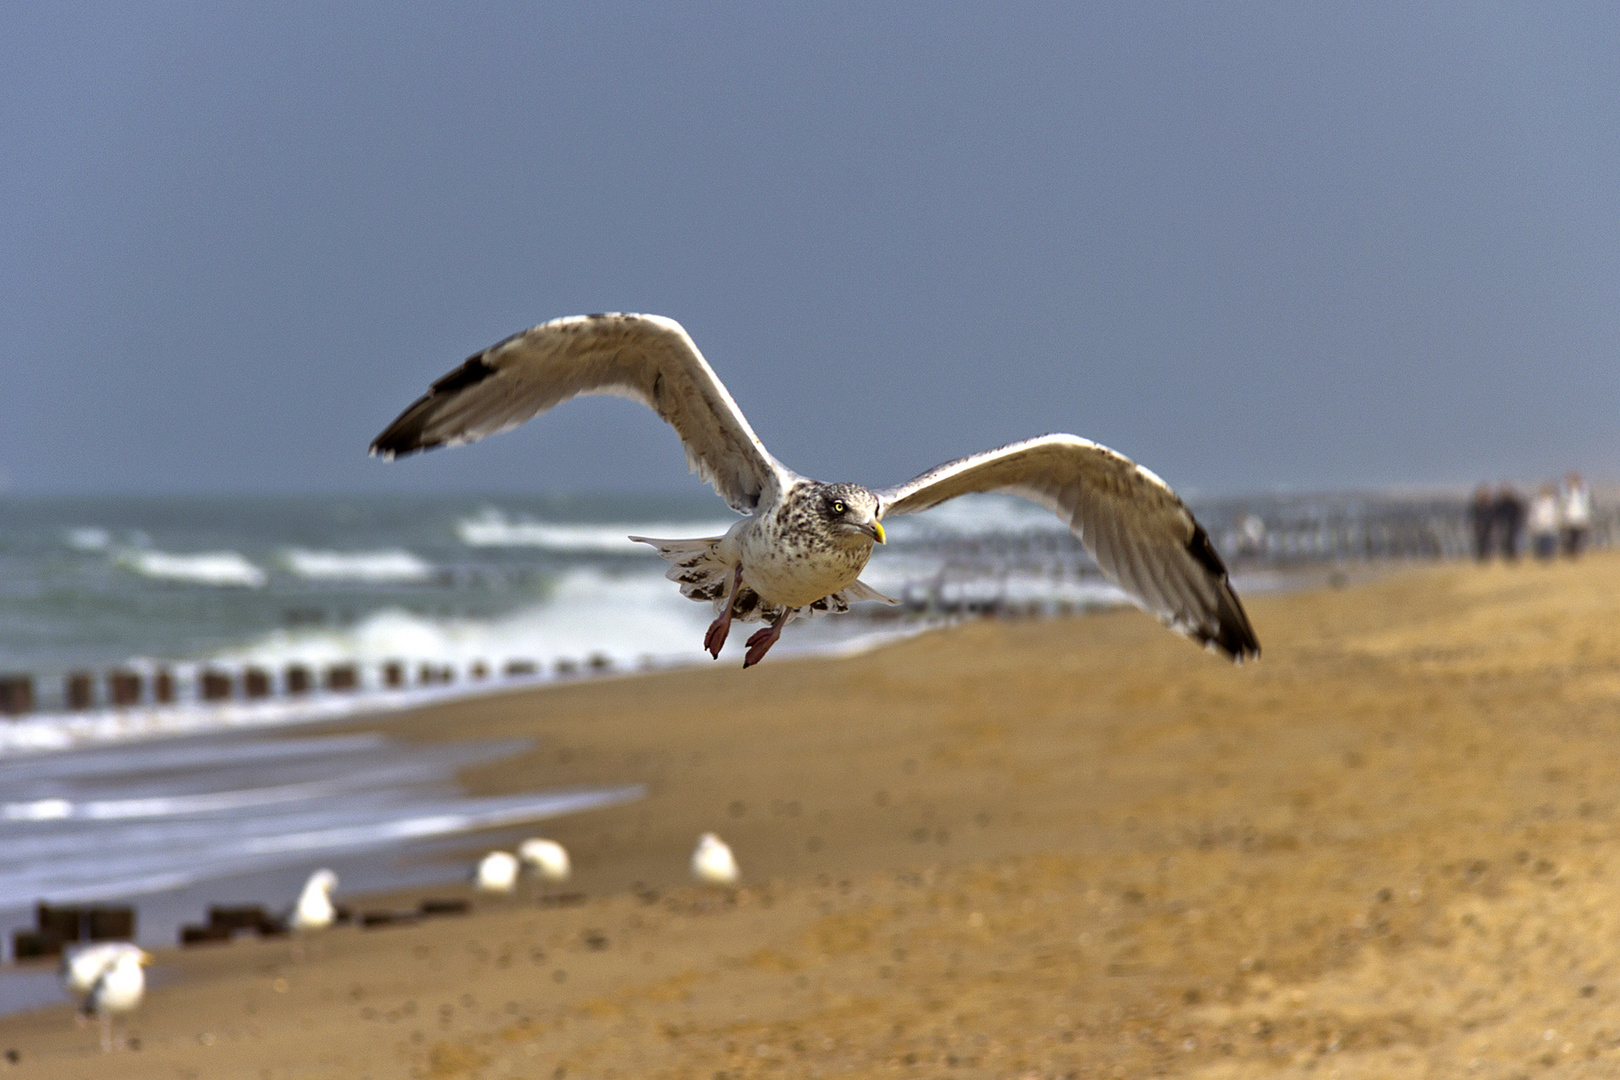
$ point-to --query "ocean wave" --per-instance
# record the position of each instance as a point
(587, 613)
(395, 564)
(491, 528)
(57, 809)
(122, 860)
(489, 814)
(223, 568)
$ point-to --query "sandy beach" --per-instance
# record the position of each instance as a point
(1057, 848)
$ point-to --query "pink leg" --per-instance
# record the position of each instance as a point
(761, 642)
(716, 637)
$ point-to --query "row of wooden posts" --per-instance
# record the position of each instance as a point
(123, 688)
(57, 926)
(127, 689)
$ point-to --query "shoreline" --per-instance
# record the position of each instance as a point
(1388, 848)
(43, 731)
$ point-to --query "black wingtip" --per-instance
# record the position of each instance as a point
(1232, 635)
(405, 435)
(474, 370)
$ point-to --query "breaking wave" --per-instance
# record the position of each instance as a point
(223, 568)
(491, 528)
(372, 566)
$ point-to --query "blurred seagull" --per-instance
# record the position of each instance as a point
(82, 966)
(314, 909)
(546, 858)
(117, 990)
(802, 547)
(497, 872)
(713, 863)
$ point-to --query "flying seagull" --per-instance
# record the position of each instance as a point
(803, 544)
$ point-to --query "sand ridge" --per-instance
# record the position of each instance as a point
(1049, 848)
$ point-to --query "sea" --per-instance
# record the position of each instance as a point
(175, 799)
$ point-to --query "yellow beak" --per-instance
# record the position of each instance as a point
(877, 532)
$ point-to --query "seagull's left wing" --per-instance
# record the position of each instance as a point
(1140, 533)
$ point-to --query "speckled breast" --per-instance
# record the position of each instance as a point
(794, 575)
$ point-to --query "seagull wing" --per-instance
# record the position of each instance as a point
(645, 358)
(1140, 533)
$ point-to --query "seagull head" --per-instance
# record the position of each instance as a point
(852, 512)
(323, 881)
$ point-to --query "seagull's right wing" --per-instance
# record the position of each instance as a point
(645, 358)
(1139, 532)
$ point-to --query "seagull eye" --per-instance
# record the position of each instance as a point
(838, 507)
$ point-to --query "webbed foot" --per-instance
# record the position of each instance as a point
(762, 640)
(715, 639)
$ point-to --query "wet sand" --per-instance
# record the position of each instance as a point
(1048, 848)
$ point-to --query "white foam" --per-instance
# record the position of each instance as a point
(60, 731)
(163, 806)
(127, 869)
(622, 617)
(491, 528)
(341, 837)
(37, 810)
(223, 568)
(373, 566)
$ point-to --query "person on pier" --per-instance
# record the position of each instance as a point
(1577, 512)
(1482, 517)
(1509, 520)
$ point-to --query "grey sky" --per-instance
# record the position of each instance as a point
(1248, 245)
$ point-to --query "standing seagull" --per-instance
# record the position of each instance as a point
(547, 859)
(496, 872)
(83, 965)
(803, 545)
(314, 909)
(713, 863)
(118, 989)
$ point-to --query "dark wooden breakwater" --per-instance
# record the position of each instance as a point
(123, 688)
(56, 927)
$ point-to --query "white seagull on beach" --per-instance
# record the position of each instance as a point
(83, 965)
(802, 547)
(547, 859)
(314, 909)
(118, 989)
(496, 872)
(713, 863)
